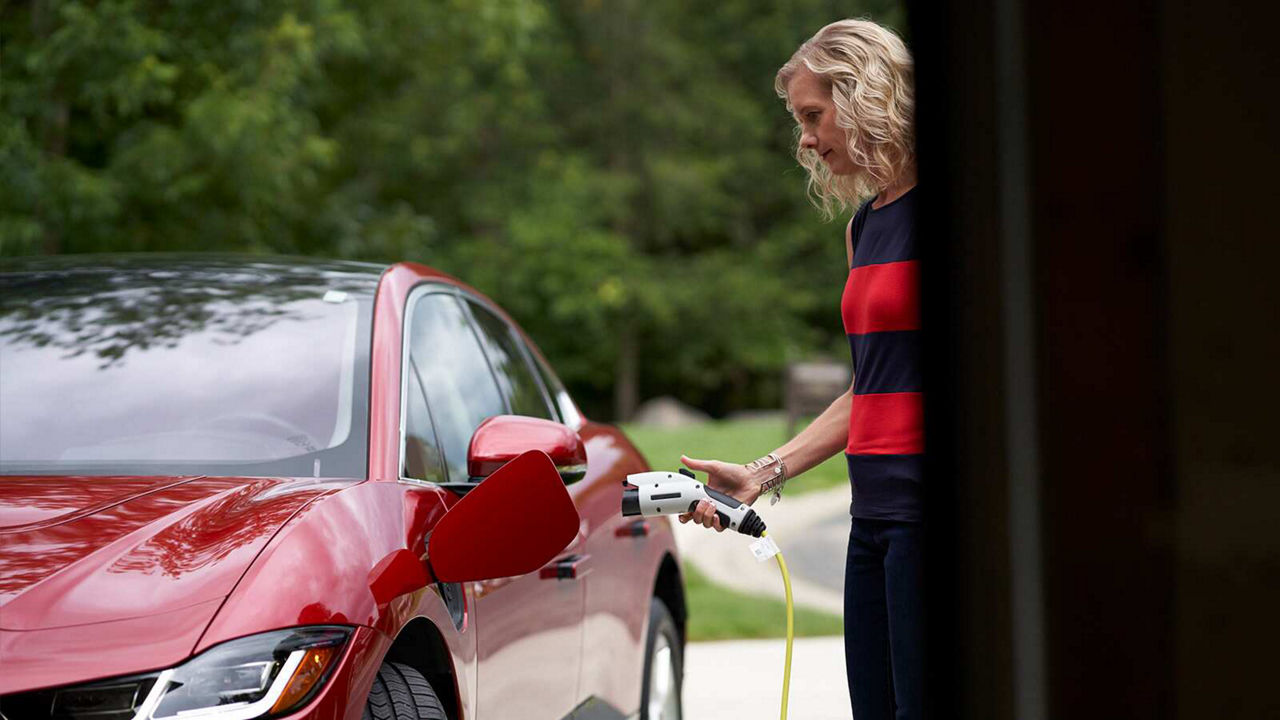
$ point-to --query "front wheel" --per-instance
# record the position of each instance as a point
(663, 667)
(401, 693)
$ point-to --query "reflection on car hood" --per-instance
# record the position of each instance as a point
(80, 550)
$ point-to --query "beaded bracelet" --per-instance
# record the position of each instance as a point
(777, 480)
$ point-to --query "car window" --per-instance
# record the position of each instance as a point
(422, 457)
(189, 368)
(510, 365)
(569, 414)
(460, 388)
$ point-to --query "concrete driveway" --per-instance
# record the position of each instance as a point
(742, 679)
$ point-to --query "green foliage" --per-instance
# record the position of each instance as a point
(599, 168)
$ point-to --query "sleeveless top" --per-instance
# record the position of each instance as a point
(881, 312)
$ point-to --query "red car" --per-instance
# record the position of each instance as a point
(236, 488)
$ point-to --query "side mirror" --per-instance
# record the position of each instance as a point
(501, 438)
(513, 523)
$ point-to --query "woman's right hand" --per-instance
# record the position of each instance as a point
(729, 478)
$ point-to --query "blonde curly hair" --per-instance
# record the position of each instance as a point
(869, 71)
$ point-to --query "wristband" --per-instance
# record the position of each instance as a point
(777, 477)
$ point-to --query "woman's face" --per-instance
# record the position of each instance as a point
(811, 100)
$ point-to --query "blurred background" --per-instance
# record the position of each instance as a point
(1099, 291)
(617, 174)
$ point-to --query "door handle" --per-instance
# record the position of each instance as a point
(636, 528)
(566, 568)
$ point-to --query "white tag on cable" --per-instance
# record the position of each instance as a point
(764, 548)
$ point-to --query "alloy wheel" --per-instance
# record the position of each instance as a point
(664, 700)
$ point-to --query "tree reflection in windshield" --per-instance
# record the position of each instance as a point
(109, 310)
(197, 366)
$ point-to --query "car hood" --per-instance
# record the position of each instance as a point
(82, 550)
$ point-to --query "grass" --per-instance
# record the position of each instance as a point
(717, 613)
(731, 441)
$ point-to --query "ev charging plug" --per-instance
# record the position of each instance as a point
(663, 493)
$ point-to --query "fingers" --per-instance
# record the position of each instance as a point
(712, 519)
(699, 514)
(702, 514)
(695, 464)
(705, 515)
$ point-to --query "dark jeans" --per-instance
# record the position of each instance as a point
(883, 618)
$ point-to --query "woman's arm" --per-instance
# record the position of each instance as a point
(823, 438)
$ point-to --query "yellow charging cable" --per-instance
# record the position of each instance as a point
(786, 672)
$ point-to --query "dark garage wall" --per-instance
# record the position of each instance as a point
(1101, 304)
(1224, 319)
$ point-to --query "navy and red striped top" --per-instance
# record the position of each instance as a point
(881, 311)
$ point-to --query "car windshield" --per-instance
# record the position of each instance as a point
(195, 368)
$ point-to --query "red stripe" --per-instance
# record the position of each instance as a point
(887, 424)
(882, 298)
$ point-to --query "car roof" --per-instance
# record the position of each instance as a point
(208, 268)
(179, 262)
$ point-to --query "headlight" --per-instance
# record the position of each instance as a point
(253, 677)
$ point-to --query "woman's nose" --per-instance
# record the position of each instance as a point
(809, 141)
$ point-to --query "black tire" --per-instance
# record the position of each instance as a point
(662, 630)
(401, 693)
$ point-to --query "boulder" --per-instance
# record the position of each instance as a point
(666, 411)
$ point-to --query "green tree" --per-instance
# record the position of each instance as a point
(616, 173)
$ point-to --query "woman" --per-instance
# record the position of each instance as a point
(850, 89)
